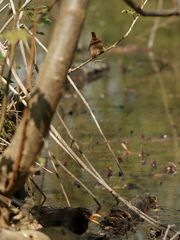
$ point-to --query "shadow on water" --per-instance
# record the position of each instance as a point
(134, 105)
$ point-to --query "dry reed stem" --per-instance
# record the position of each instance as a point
(77, 145)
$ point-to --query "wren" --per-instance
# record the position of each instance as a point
(95, 46)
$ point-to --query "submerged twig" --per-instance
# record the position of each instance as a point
(58, 177)
(39, 189)
(77, 146)
(81, 183)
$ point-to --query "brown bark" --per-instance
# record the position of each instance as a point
(28, 139)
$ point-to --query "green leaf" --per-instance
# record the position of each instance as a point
(128, 11)
(42, 161)
(13, 36)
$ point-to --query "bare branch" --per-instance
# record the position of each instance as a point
(153, 13)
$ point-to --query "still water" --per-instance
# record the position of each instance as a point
(134, 105)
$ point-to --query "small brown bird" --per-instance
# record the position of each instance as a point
(95, 46)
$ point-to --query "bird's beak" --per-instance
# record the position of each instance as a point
(93, 218)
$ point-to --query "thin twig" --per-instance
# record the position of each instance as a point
(3, 144)
(3, 140)
(176, 235)
(12, 17)
(167, 231)
(38, 188)
(77, 145)
(60, 141)
(59, 178)
(14, 73)
(6, 24)
(81, 183)
(96, 122)
(13, 90)
(37, 40)
(4, 7)
(58, 138)
(44, 168)
(12, 7)
(32, 53)
(11, 57)
(155, 27)
(21, 45)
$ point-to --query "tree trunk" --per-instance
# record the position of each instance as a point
(28, 139)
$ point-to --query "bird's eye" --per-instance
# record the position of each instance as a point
(86, 214)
